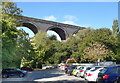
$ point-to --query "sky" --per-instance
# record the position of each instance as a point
(86, 14)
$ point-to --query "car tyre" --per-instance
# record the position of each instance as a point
(21, 75)
(70, 74)
(5, 76)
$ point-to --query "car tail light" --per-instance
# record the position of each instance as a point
(89, 74)
(81, 71)
(68, 69)
(105, 76)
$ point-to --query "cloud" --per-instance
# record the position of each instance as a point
(69, 22)
(70, 17)
(73, 23)
(51, 18)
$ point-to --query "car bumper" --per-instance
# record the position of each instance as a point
(91, 79)
(104, 81)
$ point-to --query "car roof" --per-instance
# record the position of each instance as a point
(113, 66)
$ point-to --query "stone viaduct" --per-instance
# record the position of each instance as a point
(63, 30)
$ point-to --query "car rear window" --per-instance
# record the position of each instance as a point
(78, 67)
(114, 70)
(82, 68)
(104, 70)
(95, 69)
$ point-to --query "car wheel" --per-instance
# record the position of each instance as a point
(21, 75)
(70, 74)
(77, 75)
(5, 76)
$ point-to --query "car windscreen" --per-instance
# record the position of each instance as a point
(104, 70)
(18, 69)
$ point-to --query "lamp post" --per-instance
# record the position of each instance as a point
(98, 61)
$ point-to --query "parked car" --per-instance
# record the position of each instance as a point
(13, 72)
(93, 74)
(66, 68)
(87, 71)
(76, 70)
(109, 75)
(83, 69)
(70, 69)
(27, 69)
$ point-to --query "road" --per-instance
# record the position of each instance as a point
(49, 75)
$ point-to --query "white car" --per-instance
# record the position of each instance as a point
(93, 74)
(83, 69)
(89, 69)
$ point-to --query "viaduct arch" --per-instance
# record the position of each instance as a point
(63, 30)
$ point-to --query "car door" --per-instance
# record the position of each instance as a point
(118, 75)
(14, 71)
(11, 72)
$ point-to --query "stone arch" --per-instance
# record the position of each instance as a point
(76, 31)
(60, 31)
(31, 26)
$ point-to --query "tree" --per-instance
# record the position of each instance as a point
(53, 37)
(10, 8)
(115, 28)
(15, 43)
(9, 36)
(97, 51)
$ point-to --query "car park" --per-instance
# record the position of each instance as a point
(27, 68)
(109, 75)
(93, 74)
(13, 72)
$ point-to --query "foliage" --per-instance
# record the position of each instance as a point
(115, 28)
(9, 35)
(15, 43)
(97, 51)
(26, 63)
(86, 46)
(10, 8)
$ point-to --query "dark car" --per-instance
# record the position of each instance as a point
(27, 69)
(13, 72)
(70, 69)
(66, 67)
(109, 75)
